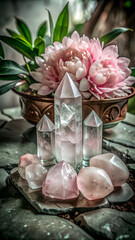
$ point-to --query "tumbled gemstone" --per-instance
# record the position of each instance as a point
(24, 161)
(35, 174)
(94, 183)
(113, 165)
(61, 182)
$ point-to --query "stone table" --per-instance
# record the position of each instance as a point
(19, 220)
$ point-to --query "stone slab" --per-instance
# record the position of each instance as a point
(3, 117)
(107, 223)
(13, 143)
(131, 166)
(3, 178)
(121, 134)
(19, 221)
(14, 113)
(43, 205)
(125, 153)
(121, 194)
(2, 123)
(130, 119)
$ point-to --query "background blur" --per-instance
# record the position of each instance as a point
(92, 17)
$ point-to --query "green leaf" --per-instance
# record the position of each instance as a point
(42, 29)
(133, 71)
(12, 33)
(61, 27)
(20, 46)
(23, 30)
(24, 41)
(9, 77)
(32, 65)
(50, 24)
(113, 34)
(39, 45)
(6, 87)
(1, 51)
(17, 36)
(8, 67)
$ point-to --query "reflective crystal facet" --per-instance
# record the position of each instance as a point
(113, 165)
(92, 136)
(61, 182)
(68, 123)
(94, 183)
(45, 141)
(35, 174)
(26, 160)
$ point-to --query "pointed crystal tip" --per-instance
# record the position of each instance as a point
(67, 88)
(45, 124)
(93, 120)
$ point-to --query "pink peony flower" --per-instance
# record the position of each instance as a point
(95, 70)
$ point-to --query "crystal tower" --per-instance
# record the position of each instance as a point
(68, 123)
(45, 141)
(92, 136)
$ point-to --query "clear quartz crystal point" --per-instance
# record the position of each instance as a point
(92, 136)
(45, 141)
(68, 123)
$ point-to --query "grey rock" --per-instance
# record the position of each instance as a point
(127, 154)
(121, 194)
(14, 113)
(131, 166)
(43, 205)
(14, 144)
(17, 221)
(122, 133)
(3, 177)
(107, 223)
(4, 117)
(120, 140)
(2, 123)
(130, 119)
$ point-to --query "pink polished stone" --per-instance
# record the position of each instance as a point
(35, 174)
(26, 160)
(61, 182)
(113, 165)
(94, 183)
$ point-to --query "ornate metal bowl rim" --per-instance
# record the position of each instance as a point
(51, 99)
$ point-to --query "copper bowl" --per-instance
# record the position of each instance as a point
(111, 111)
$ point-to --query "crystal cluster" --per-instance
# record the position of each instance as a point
(113, 165)
(68, 123)
(94, 183)
(45, 141)
(61, 182)
(92, 136)
(26, 160)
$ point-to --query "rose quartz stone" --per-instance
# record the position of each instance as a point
(61, 182)
(113, 165)
(94, 183)
(24, 161)
(35, 174)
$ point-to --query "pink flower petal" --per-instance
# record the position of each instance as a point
(84, 85)
(110, 52)
(39, 61)
(37, 76)
(123, 62)
(44, 90)
(35, 86)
